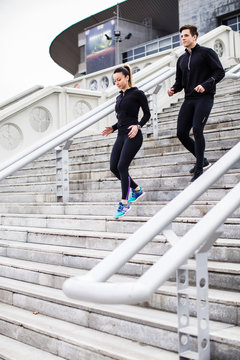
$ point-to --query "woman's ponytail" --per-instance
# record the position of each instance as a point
(130, 81)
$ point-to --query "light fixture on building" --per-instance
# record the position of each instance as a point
(117, 33)
(117, 36)
(128, 36)
(108, 37)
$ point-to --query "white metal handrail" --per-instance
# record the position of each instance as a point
(70, 130)
(233, 73)
(20, 96)
(92, 287)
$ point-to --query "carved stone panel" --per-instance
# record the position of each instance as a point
(81, 107)
(40, 119)
(10, 136)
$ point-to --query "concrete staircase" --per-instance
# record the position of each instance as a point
(43, 242)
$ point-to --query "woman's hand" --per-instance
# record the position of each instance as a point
(108, 130)
(133, 132)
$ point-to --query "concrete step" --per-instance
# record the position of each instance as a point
(159, 148)
(11, 349)
(215, 142)
(72, 341)
(152, 194)
(218, 111)
(104, 145)
(167, 123)
(167, 168)
(146, 181)
(127, 224)
(168, 127)
(173, 145)
(102, 161)
(228, 105)
(101, 148)
(141, 208)
(150, 327)
(223, 305)
(225, 249)
(222, 275)
(53, 277)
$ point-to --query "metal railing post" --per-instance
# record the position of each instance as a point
(202, 306)
(155, 110)
(183, 310)
(62, 172)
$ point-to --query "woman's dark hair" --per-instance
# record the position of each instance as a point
(126, 71)
(193, 29)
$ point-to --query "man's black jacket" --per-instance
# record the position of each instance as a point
(201, 66)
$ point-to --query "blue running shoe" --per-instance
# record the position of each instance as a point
(122, 210)
(136, 195)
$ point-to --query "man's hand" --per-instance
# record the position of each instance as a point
(199, 88)
(170, 92)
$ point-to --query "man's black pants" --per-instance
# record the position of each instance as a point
(194, 114)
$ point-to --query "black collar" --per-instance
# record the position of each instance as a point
(193, 49)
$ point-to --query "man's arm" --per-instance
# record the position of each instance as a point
(218, 72)
(177, 87)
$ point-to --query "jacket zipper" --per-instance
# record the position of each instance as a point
(189, 60)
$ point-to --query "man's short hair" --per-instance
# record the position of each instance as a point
(193, 29)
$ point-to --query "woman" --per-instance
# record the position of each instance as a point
(129, 139)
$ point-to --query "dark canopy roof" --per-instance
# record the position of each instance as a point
(164, 14)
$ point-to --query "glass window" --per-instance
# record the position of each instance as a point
(127, 56)
(165, 44)
(176, 38)
(234, 22)
(139, 50)
(165, 47)
(176, 44)
(152, 48)
(231, 21)
(234, 27)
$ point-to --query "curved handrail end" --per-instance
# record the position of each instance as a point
(86, 289)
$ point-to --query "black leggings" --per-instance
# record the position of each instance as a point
(194, 114)
(122, 154)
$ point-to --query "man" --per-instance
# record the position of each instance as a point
(198, 71)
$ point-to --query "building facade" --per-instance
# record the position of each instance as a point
(210, 14)
(137, 29)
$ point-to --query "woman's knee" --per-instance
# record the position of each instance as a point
(114, 169)
(121, 167)
(181, 134)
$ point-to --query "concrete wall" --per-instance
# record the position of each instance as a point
(204, 13)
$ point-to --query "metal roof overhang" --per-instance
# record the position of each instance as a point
(164, 13)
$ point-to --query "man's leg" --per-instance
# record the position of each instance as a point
(202, 110)
(184, 125)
